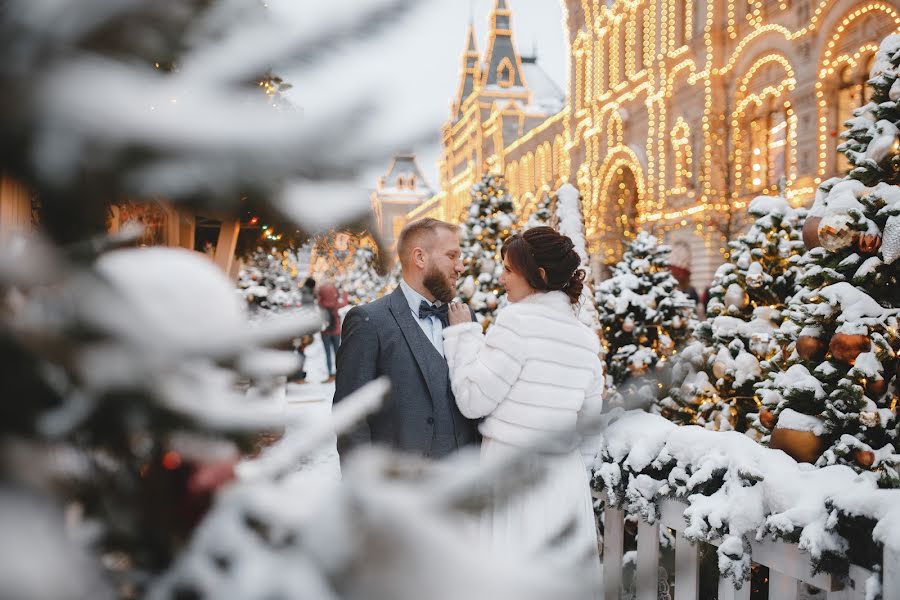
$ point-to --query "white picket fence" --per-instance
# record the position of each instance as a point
(788, 565)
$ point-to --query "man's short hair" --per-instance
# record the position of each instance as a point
(414, 230)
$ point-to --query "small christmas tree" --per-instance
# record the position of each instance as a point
(746, 299)
(269, 280)
(838, 381)
(490, 220)
(643, 313)
(543, 213)
(360, 279)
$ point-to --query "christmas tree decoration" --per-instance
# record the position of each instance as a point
(569, 218)
(846, 347)
(271, 280)
(811, 232)
(636, 337)
(811, 348)
(849, 297)
(361, 279)
(743, 315)
(489, 221)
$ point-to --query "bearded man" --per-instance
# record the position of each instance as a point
(401, 336)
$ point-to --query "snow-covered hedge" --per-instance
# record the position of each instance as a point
(737, 490)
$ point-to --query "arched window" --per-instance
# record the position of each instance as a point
(505, 73)
(852, 93)
(769, 135)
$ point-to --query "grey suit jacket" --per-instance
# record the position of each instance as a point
(421, 416)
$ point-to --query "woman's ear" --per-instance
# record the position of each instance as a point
(543, 275)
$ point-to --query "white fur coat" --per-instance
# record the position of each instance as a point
(535, 372)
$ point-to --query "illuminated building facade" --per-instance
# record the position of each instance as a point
(679, 112)
(401, 189)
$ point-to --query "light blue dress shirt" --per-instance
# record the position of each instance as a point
(431, 326)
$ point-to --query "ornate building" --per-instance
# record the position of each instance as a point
(679, 112)
(401, 189)
(506, 111)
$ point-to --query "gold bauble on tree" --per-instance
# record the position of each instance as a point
(802, 446)
(845, 347)
(811, 348)
(835, 232)
(811, 232)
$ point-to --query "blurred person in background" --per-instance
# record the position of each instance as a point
(330, 301)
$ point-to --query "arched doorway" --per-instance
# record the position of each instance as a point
(620, 214)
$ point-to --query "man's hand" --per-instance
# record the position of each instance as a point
(458, 313)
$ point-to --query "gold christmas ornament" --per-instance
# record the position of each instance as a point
(864, 458)
(811, 348)
(835, 232)
(802, 446)
(719, 369)
(845, 347)
(767, 419)
(811, 232)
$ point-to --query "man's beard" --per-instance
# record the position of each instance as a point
(440, 286)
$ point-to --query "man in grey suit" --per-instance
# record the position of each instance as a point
(401, 336)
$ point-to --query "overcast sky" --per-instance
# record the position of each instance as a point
(412, 70)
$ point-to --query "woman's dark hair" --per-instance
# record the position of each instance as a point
(310, 283)
(545, 248)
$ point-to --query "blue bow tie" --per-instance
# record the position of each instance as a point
(427, 310)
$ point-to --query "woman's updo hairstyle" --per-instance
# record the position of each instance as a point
(545, 248)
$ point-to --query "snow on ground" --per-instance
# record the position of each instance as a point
(305, 406)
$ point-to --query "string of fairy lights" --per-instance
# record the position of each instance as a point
(628, 63)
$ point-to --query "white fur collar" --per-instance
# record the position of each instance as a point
(555, 300)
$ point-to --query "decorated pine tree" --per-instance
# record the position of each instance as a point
(833, 397)
(543, 213)
(360, 278)
(643, 314)
(489, 221)
(570, 221)
(270, 280)
(747, 296)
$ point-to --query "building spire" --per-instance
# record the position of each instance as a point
(470, 63)
(503, 66)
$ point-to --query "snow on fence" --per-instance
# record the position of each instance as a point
(756, 505)
(788, 565)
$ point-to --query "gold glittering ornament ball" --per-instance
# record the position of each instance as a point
(811, 232)
(847, 346)
(835, 232)
(802, 446)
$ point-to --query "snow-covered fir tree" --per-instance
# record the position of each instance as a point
(571, 224)
(489, 221)
(543, 213)
(838, 381)
(747, 296)
(270, 280)
(645, 317)
(360, 278)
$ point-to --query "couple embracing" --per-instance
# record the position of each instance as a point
(527, 383)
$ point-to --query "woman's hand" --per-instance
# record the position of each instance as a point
(458, 313)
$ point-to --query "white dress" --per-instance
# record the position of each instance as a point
(534, 377)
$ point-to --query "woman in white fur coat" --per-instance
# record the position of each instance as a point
(533, 378)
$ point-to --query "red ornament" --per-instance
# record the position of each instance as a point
(767, 419)
(864, 458)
